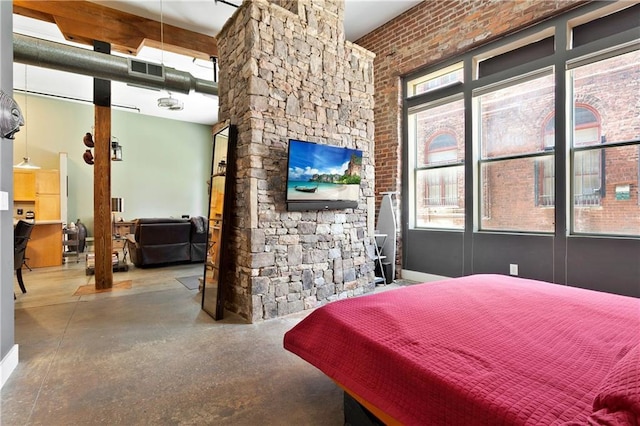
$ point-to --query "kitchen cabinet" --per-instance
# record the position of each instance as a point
(39, 191)
(24, 185)
(47, 182)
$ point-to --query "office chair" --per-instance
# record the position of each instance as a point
(21, 236)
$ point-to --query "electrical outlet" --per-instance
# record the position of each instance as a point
(513, 269)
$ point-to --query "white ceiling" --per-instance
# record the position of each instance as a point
(208, 17)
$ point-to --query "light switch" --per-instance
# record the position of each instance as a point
(4, 200)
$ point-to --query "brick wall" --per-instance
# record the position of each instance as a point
(429, 33)
(288, 73)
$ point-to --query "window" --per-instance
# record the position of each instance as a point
(436, 132)
(545, 167)
(566, 89)
(587, 166)
(607, 136)
(545, 181)
(440, 79)
(441, 188)
(511, 153)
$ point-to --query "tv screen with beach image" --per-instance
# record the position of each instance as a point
(323, 172)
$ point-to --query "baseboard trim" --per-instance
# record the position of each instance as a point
(421, 276)
(8, 364)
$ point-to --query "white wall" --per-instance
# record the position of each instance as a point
(165, 168)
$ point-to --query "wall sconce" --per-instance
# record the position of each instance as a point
(220, 171)
(116, 150)
(222, 168)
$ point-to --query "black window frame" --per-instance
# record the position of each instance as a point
(561, 27)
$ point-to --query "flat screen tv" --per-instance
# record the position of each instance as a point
(322, 177)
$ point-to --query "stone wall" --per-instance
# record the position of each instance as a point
(291, 75)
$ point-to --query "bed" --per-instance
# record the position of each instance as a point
(481, 350)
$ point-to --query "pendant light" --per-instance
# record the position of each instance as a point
(172, 104)
(26, 161)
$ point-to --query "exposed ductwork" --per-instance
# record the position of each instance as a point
(48, 54)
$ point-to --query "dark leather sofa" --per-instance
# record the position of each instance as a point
(164, 241)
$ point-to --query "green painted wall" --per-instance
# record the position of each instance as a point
(165, 165)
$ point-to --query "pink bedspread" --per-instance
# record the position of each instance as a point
(482, 350)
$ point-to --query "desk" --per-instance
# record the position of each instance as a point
(89, 244)
(117, 264)
(119, 255)
(120, 245)
(121, 229)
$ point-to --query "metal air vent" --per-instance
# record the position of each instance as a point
(149, 70)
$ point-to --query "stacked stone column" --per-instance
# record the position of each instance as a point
(289, 74)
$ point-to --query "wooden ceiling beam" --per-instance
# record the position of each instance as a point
(85, 22)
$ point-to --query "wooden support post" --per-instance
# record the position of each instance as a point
(102, 198)
(102, 179)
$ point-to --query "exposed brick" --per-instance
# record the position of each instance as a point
(428, 33)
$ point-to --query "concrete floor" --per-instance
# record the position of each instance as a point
(150, 356)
